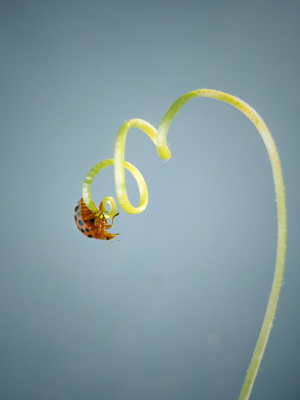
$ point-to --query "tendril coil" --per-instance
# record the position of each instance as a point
(159, 138)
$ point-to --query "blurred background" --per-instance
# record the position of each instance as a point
(173, 309)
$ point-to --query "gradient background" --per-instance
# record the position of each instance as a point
(173, 309)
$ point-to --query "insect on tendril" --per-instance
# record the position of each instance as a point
(159, 138)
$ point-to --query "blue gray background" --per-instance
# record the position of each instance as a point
(173, 309)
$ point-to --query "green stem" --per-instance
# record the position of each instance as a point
(159, 138)
(281, 212)
(120, 162)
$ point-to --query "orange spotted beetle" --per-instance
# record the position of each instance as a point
(93, 225)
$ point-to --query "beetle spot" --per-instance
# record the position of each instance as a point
(75, 217)
(81, 223)
(82, 230)
(90, 236)
(76, 208)
(87, 230)
(79, 214)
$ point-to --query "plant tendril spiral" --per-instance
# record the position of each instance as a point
(159, 138)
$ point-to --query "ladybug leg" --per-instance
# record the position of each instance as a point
(102, 214)
(86, 213)
(101, 209)
(112, 222)
(88, 217)
(110, 236)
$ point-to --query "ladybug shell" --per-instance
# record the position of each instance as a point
(83, 226)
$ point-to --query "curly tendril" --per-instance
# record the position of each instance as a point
(159, 138)
(86, 187)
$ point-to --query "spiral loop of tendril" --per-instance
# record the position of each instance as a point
(159, 138)
(119, 167)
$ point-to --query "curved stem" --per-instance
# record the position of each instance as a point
(86, 187)
(159, 138)
(281, 212)
(119, 166)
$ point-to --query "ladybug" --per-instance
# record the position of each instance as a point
(93, 225)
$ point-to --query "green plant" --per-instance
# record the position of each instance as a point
(159, 138)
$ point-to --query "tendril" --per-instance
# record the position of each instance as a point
(159, 138)
(120, 163)
(86, 187)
